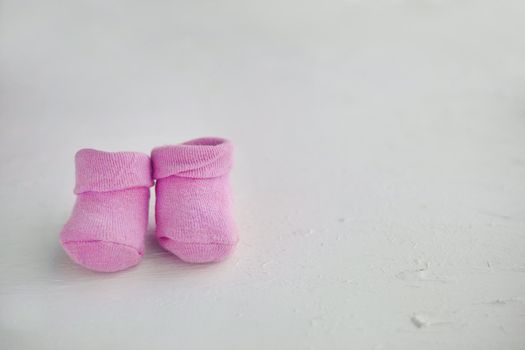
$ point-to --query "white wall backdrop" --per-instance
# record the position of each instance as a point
(379, 184)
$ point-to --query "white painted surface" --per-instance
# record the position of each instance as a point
(380, 178)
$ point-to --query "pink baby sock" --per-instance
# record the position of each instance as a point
(193, 209)
(107, 226)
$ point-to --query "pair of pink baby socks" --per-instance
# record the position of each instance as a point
(193, 211)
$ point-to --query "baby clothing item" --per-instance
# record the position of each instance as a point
(193, 209)
(107, 226)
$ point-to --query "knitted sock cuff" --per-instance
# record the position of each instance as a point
(200, 158)
(99, 171)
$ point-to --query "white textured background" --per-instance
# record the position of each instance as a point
(379, 186)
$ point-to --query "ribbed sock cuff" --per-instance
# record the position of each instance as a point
(100, 171)
(200, 158)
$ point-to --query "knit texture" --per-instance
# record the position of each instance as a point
(193, 199)
(106, 229)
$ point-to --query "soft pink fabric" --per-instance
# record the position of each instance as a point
(107, 226)
(193, 209)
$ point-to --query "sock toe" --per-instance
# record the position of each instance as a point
(197, 252)
(102, 256)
